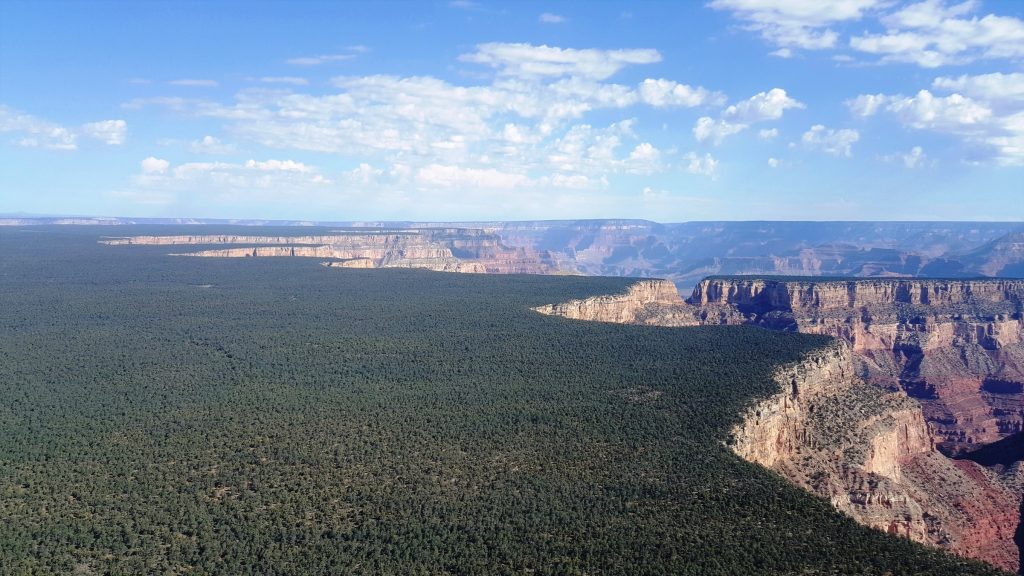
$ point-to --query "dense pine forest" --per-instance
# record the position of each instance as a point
(167, 415)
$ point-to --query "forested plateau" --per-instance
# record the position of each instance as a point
(164, 415)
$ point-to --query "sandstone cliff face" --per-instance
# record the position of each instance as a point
(867, 446)
(645, 302)
(440, 249)
(955, 345)
(869, 452)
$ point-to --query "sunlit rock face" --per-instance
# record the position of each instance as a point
(916, 365)
(440, 249)
(957, 346)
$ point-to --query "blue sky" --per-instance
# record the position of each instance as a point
(670, 111)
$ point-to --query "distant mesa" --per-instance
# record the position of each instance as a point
(441, 249)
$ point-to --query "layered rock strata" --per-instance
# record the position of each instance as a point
(440, 249)
(957, 346)
(848, 422)
(868, 451)
(654, 302)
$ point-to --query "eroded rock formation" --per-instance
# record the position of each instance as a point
(915, 364)
(957, 346)
(441, 249)
(655, 302)
(869, 452)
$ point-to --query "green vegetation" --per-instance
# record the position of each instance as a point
(165, 415)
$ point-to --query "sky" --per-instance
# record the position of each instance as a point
(487, 110)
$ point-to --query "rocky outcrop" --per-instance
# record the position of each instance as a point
(955, 345)
(440, 249)
(847, 422)
(655, 302)
(868, 451)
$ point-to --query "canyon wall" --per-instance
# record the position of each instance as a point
(957, 346)
(440, 249)
(858, 422)
(655, 302)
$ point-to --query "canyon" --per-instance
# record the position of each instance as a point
(920, 371)
(440, 249)
(687, 252)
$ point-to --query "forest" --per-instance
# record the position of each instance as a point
(166, 415)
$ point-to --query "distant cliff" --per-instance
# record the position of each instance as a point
(441, 249)
(645, 302)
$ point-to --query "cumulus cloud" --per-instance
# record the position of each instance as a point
(996, 88)
(108, 131)
(703, 165)
(768, 133)
(933, 33)
(530, 62)
(33, 132)
(801, 24)
(990, 117)
(664, 93)
(157, 172)
(210, 145)
(521, 129)
(927, 33)
(914, 158)
(153, 165)
(834, 142)
(760, 107)
(773, 162)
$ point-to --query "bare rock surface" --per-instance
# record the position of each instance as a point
(916, 365)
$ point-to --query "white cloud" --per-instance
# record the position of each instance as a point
(768, 133)
(990, 118)
(279, 166)
(932, 33)
(293, 80)
(520, 129)
(928, 33)
(549, 18)
(704, 165)
(318, 60)
(773, 162)
(210, 145)
(33, 132)
(531, 62)
(265, 174)
(996, 88)
(926, 111)
(760, 107)
(644, 159)
(707, 128)
(153, 165)
(802, 24)
(834, 142)
(363, 174)
(662, 92)
(107, 131)
(437, 175)
(867, 104)
(194, 82)
(914, 158)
